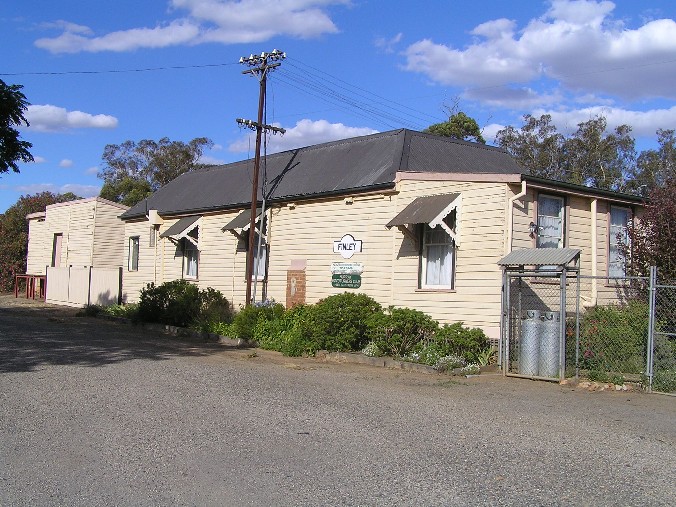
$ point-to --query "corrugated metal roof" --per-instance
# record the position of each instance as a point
(351, 165)
(241, 220)
(180, 227)
(423, 210)
(540, 257)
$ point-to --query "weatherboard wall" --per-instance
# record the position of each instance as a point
(39, 254)
(108, 233)
(475, 299)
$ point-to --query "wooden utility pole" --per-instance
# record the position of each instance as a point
(260, 66)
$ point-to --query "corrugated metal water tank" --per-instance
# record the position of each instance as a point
(529, 346)
(550, 340)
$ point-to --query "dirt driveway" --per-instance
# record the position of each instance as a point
(98, 413)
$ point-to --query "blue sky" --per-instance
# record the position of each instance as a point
(99, 73)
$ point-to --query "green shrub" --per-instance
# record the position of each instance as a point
(128, 311)
(613, 339)
(401, 331)
(455, 339)
(181, 303)
(339, 322)
(289, 333)
(244, 322)
(664, 381)
(215, 309)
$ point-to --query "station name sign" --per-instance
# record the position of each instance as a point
(347, 246)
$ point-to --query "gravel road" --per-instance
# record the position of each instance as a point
(97, 413)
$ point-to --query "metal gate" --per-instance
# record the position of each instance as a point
(539, 287)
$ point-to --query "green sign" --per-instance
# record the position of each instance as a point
(346, 281)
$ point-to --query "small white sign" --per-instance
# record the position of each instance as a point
(347, 246)
(347, 268)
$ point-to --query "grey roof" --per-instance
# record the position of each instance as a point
(339, 167)
(540, 257)
(241, 220)
(180, 226)
(423, 210)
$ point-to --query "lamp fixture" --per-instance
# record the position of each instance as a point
(534, 229)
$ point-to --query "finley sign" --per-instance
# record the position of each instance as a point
(347, 246)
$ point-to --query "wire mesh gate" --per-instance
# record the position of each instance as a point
(539, 286)
(538, 307)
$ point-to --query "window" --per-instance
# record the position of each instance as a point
(190, 260)
(438, 258)
(617, 235)
(152, 237)
(550, 222)
(132, 262)
(260, 258)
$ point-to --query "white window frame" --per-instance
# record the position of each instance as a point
(617, 267)
(426, 244)
(190, 253)
(134, 253)
(262, 261)
(561, 239)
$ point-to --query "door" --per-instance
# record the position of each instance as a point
(56, 250)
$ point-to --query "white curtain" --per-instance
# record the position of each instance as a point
(619, 218)
(438, 258)
(550, 222)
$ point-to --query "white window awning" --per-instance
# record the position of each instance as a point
(241, 223)
(432, 210)
(186, 227)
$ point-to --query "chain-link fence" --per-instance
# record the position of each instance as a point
(614, 330)
(662, 361)
(611, 329)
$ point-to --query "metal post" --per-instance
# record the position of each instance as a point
(651, 327)
(577, 329)
(503, 310)
(562, 328)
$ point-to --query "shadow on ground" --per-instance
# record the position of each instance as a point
(32, 336)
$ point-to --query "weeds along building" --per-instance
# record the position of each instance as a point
(411, 219)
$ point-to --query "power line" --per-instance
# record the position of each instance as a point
(117, 71)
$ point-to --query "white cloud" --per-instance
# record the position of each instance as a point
(208, 160)
(388, 45)
(77, 189)
(38, 160)
(66, 162)
(178, 32)
(575, 42)
(489, 131)
(224, 21)
(49, 118)
(513, 98)
(81, 190)
(92, 170)
(643, 123)
(305, 133)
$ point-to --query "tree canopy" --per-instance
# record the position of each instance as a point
(14, 233)
(458, 126)
(13, 103)
(652, 239)
(132, 171)
(592, 156)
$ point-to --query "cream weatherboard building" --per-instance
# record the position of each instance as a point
(411, 219)
(79, 245)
